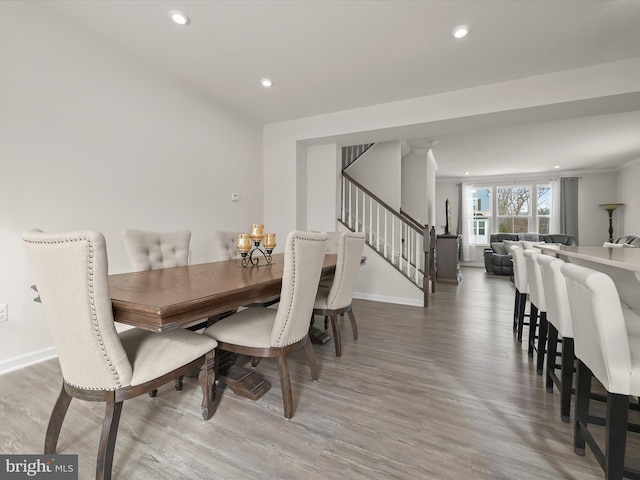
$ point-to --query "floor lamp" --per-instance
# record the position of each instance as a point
(610, 207)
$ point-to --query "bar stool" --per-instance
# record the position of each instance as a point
(521, 283)
(559, 325)
(609, 350)
(537, 298)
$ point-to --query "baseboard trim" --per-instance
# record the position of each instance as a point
(31, 358)
(398, 300)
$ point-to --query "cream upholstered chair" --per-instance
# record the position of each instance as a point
(149, 250)
(521, 282)
(538, 300)
(336, 300)
(224, 245)
(607, 345)
(267, 332)
(560, 326)
(97, 364)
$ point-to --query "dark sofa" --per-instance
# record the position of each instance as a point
(497, 259)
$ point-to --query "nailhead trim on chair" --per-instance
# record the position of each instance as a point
(293, 283)
(96, 326)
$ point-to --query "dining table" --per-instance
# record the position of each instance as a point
(199, 294)
(622, 264)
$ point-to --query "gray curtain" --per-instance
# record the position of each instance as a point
(569, 206)
(459, 230)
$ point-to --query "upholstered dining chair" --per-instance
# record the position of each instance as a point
(338, 297)
(537, 299)
(224, 245)
(607, 346)
(97, 363)
(268, 332)
(152, 250)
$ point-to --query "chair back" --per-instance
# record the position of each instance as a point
(520, 279)
(303, 259)
(150, 250)
(536, 290)
(600, 334)
(350, 248)
(71, 275)
(224, 245)
(555, 294)
(333, 239)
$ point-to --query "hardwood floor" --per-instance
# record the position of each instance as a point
(438, 393)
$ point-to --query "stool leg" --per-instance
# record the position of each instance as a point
(542, 343)
(552, 350)
(515, 311)
(533, 325)
(568, 359)
(617, 417)
(522, 302)
(583, 393)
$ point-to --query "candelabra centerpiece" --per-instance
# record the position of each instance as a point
(250, 243)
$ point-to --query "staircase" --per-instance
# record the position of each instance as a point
(395, 236)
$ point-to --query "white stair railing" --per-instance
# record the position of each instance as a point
(399, 240)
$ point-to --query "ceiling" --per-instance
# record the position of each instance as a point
(327, 56)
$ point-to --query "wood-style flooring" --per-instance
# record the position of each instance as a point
(444, 392)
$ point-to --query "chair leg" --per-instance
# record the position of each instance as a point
(55, 422)
(207, 379)
(568, 360)
(533, 325)
(107, 444)
(354, 325)
(552, 350)
(616, 436)
(311, 358)
(337, 340)
(178, 383)
(583, 394)
(542, 343)
(285, 385)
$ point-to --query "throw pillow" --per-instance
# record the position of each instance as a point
(499, 248)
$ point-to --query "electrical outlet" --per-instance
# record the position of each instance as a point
(4, 312)
(235, 197)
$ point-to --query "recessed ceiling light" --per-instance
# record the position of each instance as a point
(467, 173)
(178, 17)
(461, 31)
(557, 166)
(266, 82)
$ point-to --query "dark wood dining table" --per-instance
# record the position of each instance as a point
(182, 297)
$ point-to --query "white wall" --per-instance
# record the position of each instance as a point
(323, 187)
(414, 186)
(627, 218)
(593, 221)
(379, 170)
(92, 139)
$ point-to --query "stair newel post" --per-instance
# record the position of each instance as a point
(425, 278)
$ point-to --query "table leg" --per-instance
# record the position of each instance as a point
(241, 380)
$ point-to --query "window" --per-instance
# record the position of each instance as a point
(481, 202)
(513, 209)
(543, 210)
